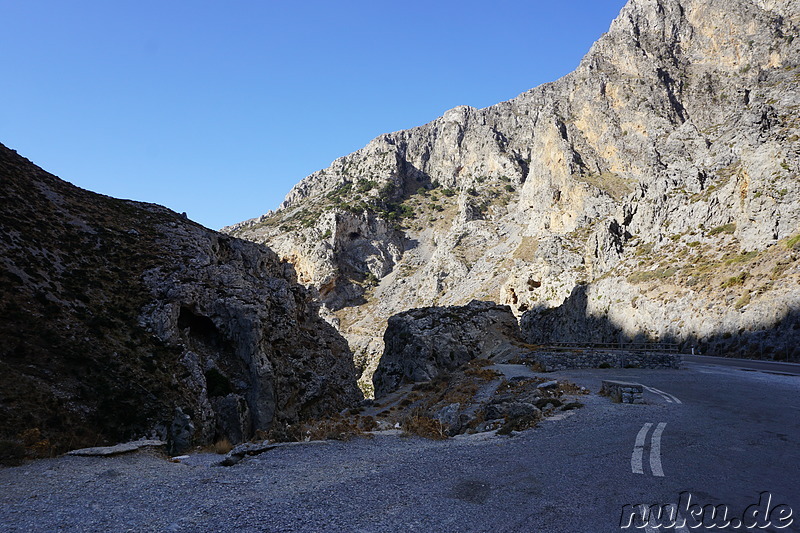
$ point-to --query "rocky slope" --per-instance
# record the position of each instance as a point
(122, 319)
(658, 181)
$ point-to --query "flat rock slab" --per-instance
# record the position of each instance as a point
(105, 451)
(255, 448)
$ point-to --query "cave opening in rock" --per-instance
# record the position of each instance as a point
(201, 329)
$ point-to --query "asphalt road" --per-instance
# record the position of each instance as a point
(776, 367)
(721, 434)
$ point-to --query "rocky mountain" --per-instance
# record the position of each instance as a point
(123, 319)
(653, 192)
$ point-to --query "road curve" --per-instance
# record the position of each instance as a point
(734, 436)
(778, 367)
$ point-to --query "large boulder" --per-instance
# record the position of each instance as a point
(422, 343)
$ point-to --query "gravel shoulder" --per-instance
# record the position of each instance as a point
(378, 483)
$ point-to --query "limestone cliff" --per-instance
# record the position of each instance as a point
(660, 177)
(122, 319)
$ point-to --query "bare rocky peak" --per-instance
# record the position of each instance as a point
(658, 171)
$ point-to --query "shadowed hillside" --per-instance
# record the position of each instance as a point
(123, 319)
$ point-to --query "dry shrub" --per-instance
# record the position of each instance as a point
(223, 446)
(29, 437)
(477, 368)
(527, 346)
(484, 374)
(433, 387)
(567, 387)
(36, 446)
(461, 391)
(419, 423)
(366, 423)
(41, 449)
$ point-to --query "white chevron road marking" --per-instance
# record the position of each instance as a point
(655, 451)
(667, 396)
(638, 449)
(637, 456)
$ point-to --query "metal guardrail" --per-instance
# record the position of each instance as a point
(629, 346)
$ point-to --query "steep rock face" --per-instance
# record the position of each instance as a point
(420, 344)
(674, 144)
(123, 318)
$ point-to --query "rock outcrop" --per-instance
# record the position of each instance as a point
(663, 167)
(421, 344)
(123, 319)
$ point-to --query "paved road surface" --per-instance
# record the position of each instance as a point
(745, 364)
(719, 433)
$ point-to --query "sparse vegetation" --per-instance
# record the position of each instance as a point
(223, 446)
(644, 276)
(419, 423)
(735, 281)
(610, 183)
(725, 228)
(527, 248)
(645, 248)
(742, 301)
(744, 257)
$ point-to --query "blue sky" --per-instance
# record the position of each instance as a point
(218, 108)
